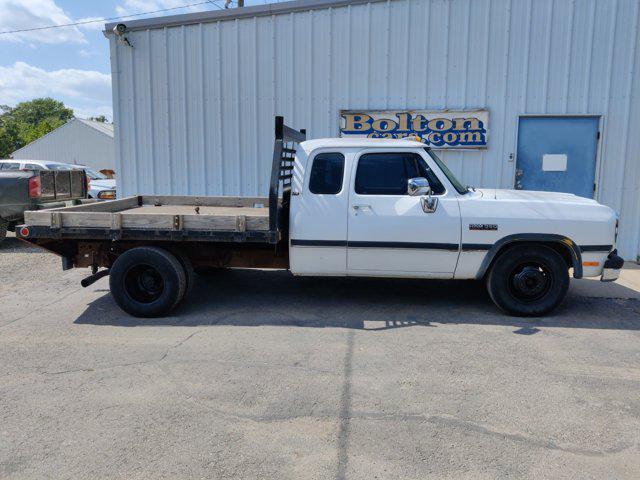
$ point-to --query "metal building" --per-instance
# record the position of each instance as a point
(79, 141)
(550, 88)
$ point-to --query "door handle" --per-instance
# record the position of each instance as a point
(362, 207)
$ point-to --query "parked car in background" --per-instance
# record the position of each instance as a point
(101, 187)
(11, 164)
(36, 189)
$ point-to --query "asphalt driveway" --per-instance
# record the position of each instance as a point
(262, 375)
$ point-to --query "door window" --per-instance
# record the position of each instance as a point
(10, 166)
(327, 173)
(388, 173)
(417, 167)
(33, 166)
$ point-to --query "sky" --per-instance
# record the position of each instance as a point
(70, 64)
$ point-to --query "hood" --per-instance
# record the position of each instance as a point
(535, 196)
(107, 183)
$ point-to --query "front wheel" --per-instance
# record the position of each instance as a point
(147, 281)
(528, 280)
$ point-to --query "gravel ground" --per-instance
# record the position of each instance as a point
(260, 375)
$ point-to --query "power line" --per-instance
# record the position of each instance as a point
(215, 3)
(110, 18)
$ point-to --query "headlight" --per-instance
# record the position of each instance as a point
(107, 195)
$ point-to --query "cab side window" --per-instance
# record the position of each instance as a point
(381, 174)
(327, 174)
(388, 173)
(423, 170)
(10, 166)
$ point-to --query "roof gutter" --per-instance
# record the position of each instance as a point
(232, 14)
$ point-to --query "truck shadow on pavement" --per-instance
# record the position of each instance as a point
(12, 245)
(255, 298)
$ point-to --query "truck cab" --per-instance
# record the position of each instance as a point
(392, 208)
(352, 212)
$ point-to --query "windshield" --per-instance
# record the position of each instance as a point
(92, 174)
(460, 188)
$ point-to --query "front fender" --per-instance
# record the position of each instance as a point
(566, 242)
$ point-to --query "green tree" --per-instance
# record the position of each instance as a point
(9, 139)
(29, 121)
(99, 118)
(39, 109)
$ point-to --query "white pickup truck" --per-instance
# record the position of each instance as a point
(341, 207)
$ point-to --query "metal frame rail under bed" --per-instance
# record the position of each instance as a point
(284, 151)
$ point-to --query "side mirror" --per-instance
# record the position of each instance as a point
(418, 186)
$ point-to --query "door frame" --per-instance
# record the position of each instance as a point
(450, 193)
(601, 128)
(301, 183)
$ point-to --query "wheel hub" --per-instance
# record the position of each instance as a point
(530, 282)
(144, 283)
(149, 281)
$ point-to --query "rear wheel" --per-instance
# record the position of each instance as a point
(147, 281)
(189, 271)
(528, 280)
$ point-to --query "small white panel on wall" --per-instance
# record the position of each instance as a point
(554, 162)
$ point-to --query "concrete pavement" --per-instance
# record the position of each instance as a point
(261, 375)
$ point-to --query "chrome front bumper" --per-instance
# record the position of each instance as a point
(612, 267)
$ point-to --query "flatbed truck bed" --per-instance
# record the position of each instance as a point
(233, 220)
(149, 217)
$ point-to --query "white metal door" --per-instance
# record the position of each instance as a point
(389, 234)
(318, 220)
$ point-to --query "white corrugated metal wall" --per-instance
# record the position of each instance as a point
(194, 104)
(74, 142)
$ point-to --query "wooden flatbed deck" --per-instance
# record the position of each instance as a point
(190, 210)
(160, 214)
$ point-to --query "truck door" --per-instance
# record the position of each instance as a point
(389, 233)
(318, 219)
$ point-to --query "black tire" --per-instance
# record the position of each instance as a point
(4, 225)
(147, 281)
(189, 272)
(528, 280)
